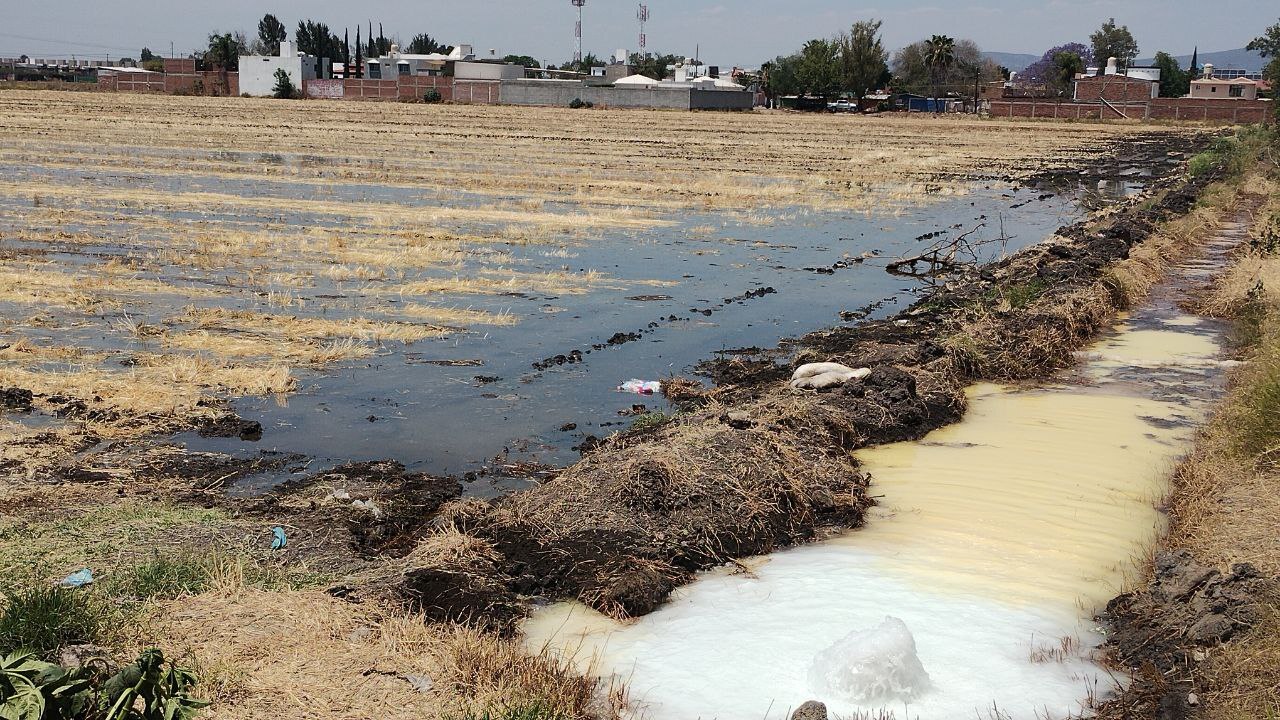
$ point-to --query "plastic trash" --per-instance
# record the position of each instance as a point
(368, 506)
(278, 539)
(340, 494)
(421, 683)
(79, 578)
(640, 387)
(817, 376)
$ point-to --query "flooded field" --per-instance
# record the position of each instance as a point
(459, 289)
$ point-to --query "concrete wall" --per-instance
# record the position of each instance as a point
(463, 70)
(721, 100)
(258, 72)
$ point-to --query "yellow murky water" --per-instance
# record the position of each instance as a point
(1036, 496)
(992, 535)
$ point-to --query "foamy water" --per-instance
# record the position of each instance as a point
(971, 590)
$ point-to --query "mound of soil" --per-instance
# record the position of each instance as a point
(1156, 632)
(15, 398)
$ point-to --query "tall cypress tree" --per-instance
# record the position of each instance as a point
(346, 53)
(1194, 71)
(359, 52)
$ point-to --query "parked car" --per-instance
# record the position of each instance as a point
(840, 106)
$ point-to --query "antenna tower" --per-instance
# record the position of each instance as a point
(643, 16)
(577, 33)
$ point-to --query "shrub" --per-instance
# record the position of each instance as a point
(580, 103)
(44, 618)
(284, 88)
(432, 96)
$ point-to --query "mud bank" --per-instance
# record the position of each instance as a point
(752, 466)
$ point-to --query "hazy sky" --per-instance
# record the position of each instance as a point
(743, 32)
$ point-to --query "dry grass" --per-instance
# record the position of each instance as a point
(1225, 505)
(1048, 324)
(303, 654)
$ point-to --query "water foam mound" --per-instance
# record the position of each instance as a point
(871, 666)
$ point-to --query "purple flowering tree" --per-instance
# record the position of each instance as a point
(1042, 71)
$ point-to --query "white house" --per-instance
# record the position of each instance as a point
(461, 63)
(258, 72)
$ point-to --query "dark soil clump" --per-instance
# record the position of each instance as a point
(1158, 632)
(15, 398)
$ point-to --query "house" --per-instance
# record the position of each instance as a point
(460, 63)
(258, 72)
(1212, 86)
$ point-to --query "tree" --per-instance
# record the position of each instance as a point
(1174, 82)
(1066, 65)
(1041, 71)
(1268, 45)
(939, 56)
(654, 65)
(818, 69)
(359, 55)
(911, 71)
(862, 60)
(780, 77)
(146, 55)
(583, 66)
(346, 53)
(423, 44)
(314, 38)
(284, 88)
(522, 60)
(224, 54)
(271, 33)
(1114, 42)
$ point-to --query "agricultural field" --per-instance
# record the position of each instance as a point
(221, 317)
(362, 277)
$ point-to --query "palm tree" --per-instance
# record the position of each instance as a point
(224, 54)
(939, 55)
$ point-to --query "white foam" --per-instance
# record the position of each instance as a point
(879, 665)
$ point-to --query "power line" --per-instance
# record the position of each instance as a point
(66, 42)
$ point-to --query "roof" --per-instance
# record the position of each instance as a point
(638, 80)
(1220, 81)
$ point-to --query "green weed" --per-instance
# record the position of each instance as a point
(43, 618)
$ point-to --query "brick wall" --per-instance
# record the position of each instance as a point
(170, 82)
(179, 65)
(485, 92)
(1213, 110)
(1190, 109)
(408, 87)
(1114, 88)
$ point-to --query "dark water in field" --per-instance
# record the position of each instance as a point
(442, 419)
(727, 280)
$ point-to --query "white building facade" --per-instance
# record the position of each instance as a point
(258, 72)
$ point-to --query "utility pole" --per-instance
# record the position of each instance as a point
(977, 79)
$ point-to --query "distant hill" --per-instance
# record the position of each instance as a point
(1236, 59)
(1017, 62)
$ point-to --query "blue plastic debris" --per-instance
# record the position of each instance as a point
(79, 578)
(278, 539)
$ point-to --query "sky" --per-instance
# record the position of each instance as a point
(743, 33)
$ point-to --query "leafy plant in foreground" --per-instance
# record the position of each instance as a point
(31, 689)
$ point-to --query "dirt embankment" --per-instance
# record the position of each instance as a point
(753, 466)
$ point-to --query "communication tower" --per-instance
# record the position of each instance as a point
(643, 16)
(577, 32)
